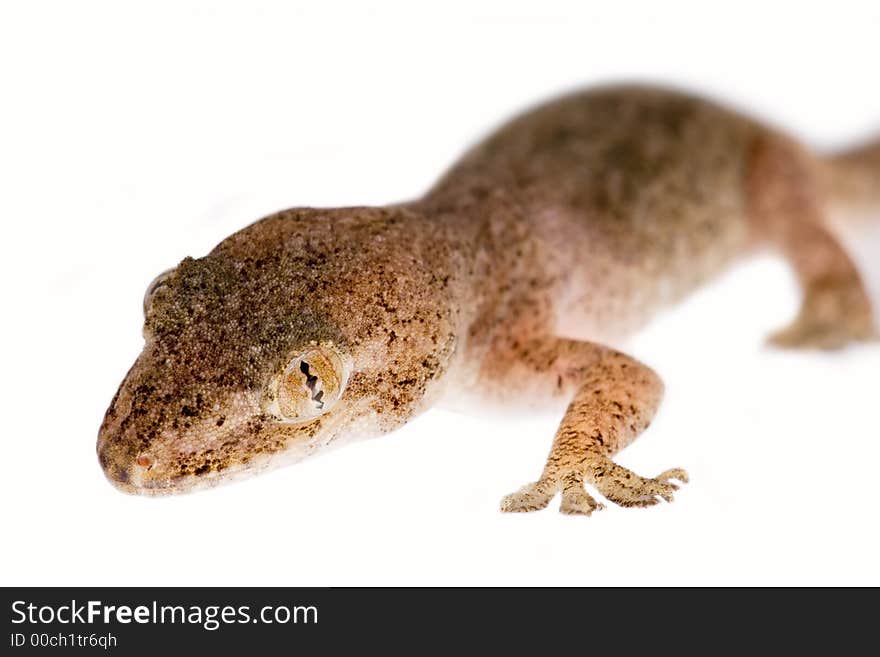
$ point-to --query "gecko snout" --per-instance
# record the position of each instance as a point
(119, 448)
(117, 470)
(129, 472)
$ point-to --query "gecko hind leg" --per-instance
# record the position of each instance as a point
(833, 313)
(784, 192)
(614, 400)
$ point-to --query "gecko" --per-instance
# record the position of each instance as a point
(504, 286)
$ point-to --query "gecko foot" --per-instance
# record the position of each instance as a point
(625, 488)
(536, 496)
(832, 316)
(614, 482)
(806, 335)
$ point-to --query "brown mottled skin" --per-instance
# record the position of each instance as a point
(566, 229)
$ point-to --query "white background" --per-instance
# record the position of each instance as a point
(132, 135)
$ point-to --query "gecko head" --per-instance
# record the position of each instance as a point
(282, 341)
(230, 380)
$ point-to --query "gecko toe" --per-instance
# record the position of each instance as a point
(626, 488)
(579, 503)
(531, 497)
(673, 473)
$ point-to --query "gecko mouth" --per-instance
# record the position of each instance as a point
(246, 447)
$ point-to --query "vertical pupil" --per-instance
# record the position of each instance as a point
(311, 383)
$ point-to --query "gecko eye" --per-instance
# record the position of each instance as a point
(309, 385)
(159, 281)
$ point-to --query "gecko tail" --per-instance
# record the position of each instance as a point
(853, 184)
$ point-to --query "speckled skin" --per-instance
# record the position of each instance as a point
(561, 233)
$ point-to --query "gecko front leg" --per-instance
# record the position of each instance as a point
(614, 400)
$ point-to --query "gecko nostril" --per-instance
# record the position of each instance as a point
(144, 461)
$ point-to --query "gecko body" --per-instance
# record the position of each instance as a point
(563, 232)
